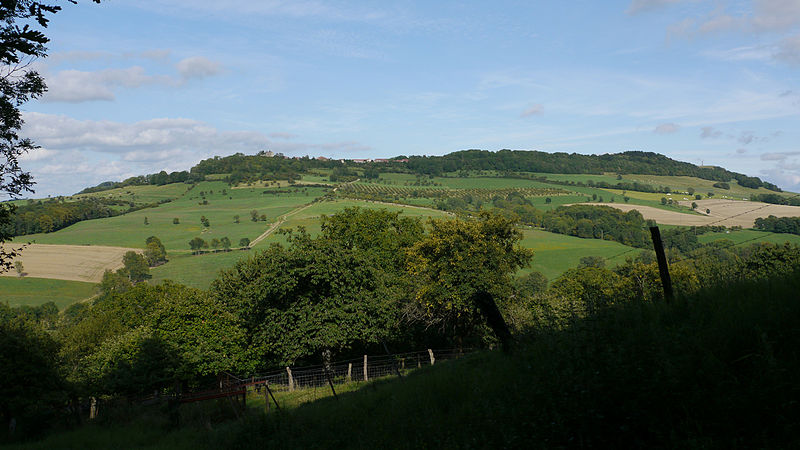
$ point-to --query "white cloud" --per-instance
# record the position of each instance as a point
(778, 156)
(666, 128)
(78, 86)
(534, 110)
(197, 67)
(78, 153)
(75, 86)
(709, 133)
(640, 6)
(788, 50)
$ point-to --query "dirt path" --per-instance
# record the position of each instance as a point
(275, 225)
(722, 212)
(69, 262)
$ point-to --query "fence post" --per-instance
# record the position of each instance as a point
(349, 372)
(366, 375)
(663, 269)
(93, 408)
(430, 353)
(291, 380)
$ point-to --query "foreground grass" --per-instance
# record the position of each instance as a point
(36, 291)
(715, 370)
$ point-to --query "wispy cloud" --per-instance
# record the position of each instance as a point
(534, 110)
(666, 128)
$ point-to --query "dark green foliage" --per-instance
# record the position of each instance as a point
(31, 383)
(779, 224)
(534, 161)
(722, 185)
(602, 222)
(776, 199)
(157, 179)
(531, 284)
(135, 267)
(314, 295)
(155, 252)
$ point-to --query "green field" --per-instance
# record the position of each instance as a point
(556, 253)
(200, 270)
(36, 291)
(140, 194)
(750, 236)
(129, 230)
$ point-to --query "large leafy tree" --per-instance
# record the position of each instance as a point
(313, 295)
(458, 259)
(21, 42)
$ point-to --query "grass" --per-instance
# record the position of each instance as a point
(129, 230)
(747, 236)
(200, 270)
(36, 291)
(555, 253)
(140, 194)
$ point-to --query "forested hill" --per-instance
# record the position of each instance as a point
(242, 168)
(646, 163)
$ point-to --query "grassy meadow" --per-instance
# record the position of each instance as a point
(36, 291)
(222, 204)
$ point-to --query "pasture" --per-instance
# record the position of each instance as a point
(214, 200)
(28, 291)
(555, 253)
(200, 270)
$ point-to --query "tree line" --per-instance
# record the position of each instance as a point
(774, 224)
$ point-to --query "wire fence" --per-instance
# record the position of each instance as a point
(357, 370)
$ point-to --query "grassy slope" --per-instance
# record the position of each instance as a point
(713, 371)
(747, 236)
(199, 270)
(129, 230)
(36, 291)
(555, 253)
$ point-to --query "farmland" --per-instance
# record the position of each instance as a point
(280, 205)
(70, 262)
(35, 291)
(213, 200)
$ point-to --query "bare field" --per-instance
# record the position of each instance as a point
(69, 262)
(723, 212)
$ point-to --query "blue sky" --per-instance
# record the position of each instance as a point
(145, 85)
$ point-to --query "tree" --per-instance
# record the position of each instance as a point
(708, 211)
(592, 261)
(663, 200)
(236, 219)
(19, 267)
(196, 244)
(458, 259)
(176, 221)
(254, 215)
(314, 295)
(690, 191)
(244, 242)
(155, 253)
(698, 197)
(135, 266)
(20, 46)
(145, 221)
(694, 205)
(215, 244)
(226, 243)
(531, 284)
(548, 200)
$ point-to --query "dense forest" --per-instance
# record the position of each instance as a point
(534, 161)
(154, 179)
(776, 199)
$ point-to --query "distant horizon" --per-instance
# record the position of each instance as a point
(137, 87)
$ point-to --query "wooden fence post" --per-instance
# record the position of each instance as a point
(93, 409)
(291, 380)
(366, 375)
(430, 353)
(663, 269)
(349, 372)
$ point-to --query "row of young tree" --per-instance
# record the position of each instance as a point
(372, 278)
(53, 214)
